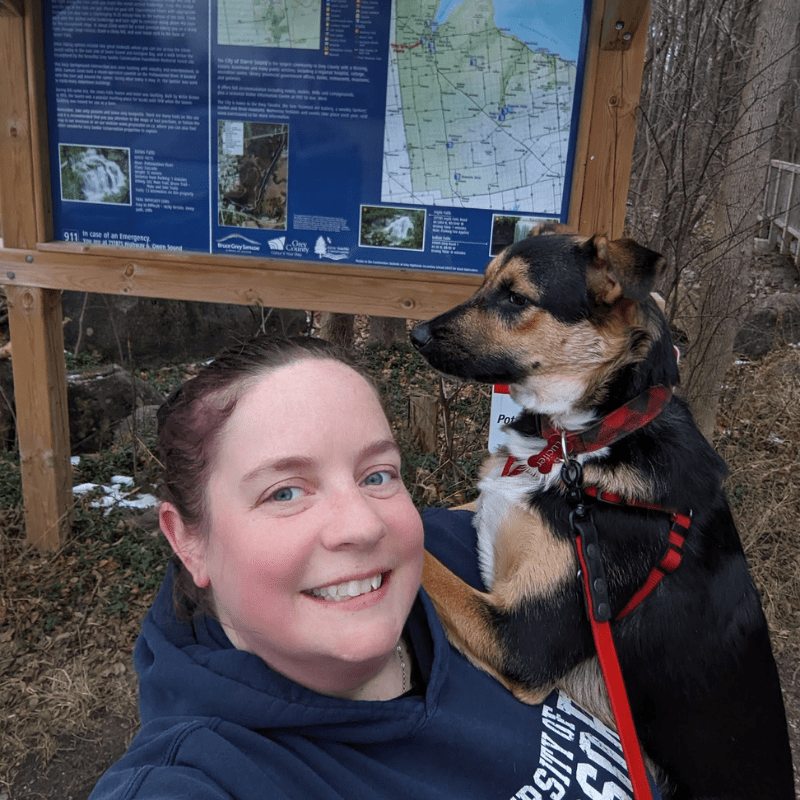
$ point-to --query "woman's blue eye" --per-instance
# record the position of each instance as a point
(378, 478)
(286, 493)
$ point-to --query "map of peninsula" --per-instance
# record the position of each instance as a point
(476, 117)
(293, 24)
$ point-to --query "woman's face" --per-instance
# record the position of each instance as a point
(314, 549)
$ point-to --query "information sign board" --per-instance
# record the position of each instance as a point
(503, 412)
(422, 134)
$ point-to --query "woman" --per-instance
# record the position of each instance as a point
(290, 652)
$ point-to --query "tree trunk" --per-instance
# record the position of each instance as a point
(337, 328)
(787, 137)
(694, 76)
(722, 293)
(387, 330)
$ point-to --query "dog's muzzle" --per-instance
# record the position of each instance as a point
(421, 336)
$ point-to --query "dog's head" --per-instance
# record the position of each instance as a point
(559, 318)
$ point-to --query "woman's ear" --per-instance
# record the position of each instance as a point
(187, 544)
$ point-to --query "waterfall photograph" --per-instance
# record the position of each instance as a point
(95, 174)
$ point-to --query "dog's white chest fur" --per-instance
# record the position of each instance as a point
(500, 493)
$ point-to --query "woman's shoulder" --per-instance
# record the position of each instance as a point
(149, 769)
(450, 536)
(183, 758)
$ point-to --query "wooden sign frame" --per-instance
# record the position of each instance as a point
(34, 268)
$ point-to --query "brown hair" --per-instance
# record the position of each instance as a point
(190, 421)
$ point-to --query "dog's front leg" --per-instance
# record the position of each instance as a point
(466, 615)
(529, 630)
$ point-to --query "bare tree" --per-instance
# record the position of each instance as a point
(715, 72)
(723, 294)
(693, 78)
(786, 145)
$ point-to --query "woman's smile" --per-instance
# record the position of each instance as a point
(350, 588)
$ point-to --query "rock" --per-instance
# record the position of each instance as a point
(774, 272)
(8, 423)
(143, 421)
(153, 332)
(97, 400)
(772, 321)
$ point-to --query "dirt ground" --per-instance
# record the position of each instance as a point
(77, 764)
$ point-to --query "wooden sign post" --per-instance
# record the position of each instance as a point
(35, 268)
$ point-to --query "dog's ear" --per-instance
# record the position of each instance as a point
(621, 268)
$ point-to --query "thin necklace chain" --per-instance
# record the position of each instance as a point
(402, 667)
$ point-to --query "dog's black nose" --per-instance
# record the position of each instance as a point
(420, 335)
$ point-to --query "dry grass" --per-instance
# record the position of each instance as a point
(760, 440)
(68, 621)
(58, 701)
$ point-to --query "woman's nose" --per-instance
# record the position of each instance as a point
(354, 520)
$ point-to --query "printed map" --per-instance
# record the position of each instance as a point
(477, 117)
(270, 23)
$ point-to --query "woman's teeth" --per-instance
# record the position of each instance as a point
(348, 589)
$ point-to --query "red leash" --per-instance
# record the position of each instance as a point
(598, 607)
(617, 694)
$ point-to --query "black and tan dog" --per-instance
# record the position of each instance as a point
(569, 323)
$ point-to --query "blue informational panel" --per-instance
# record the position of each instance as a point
(414, 133)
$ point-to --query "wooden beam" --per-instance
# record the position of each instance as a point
(621, 21)
(612, 84)
(413, 294)
(35, 319)
(37, 98)
(42, 422)
(17, 200)
(10, 8)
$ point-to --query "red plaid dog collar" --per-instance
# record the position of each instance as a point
(628, 418)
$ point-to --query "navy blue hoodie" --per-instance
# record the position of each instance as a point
(219, 723)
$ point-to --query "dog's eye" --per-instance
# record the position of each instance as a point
(518, 299)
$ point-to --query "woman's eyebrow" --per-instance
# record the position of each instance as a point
(384, 446)
(290, 463)
(278, 465)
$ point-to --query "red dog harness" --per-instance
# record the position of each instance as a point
(632, 416)
(681, 520)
